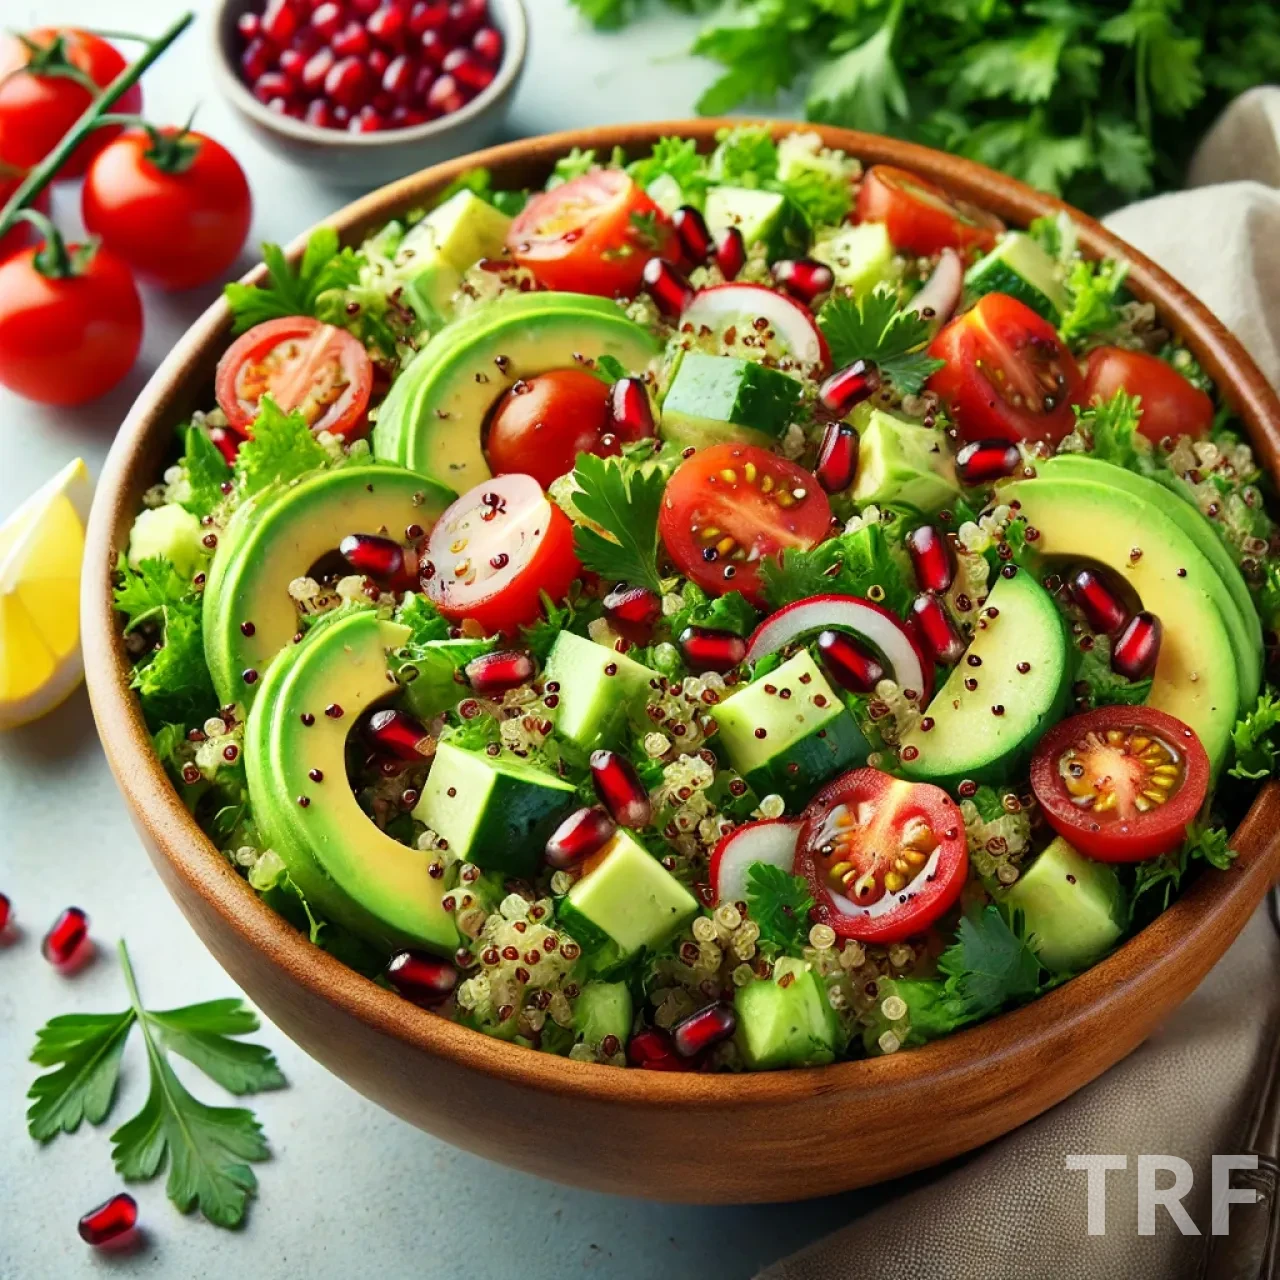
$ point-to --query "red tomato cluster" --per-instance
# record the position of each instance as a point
(171, 207)
(369, 65)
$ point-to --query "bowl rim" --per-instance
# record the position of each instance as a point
(515, 51)
(1201, 923)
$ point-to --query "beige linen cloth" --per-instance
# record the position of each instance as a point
(1014, 1211)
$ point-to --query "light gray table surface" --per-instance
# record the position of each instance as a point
(350, 1191)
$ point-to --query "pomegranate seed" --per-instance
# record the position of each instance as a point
(579, 836)
(630, 410)
(434, 48)
(1137, 650)
(307, 41)
(403, 117)
(848, 387)
(942, 642)
(316, 69)
(320, 114)
(249, 25)
(425, 980)
(708, 650)
(397, 79)
(496, 672)
(427, 15)
(5, 911)
(618, 784)
(109, 1221)
(364, 8)
(351, 42)
(731, 252)
(652, 1050)
(291, 62)
(423, 79)
(837, 457)
(1104, 610)
(256, 60)
(670, 290)
(445, 96)
(227, 441)
(488, 44)
(852, 665)
(377, 62)
(691, 231)
(326, 19)
(465, 16)
(381, 559)
(66, 937)
(803, 278)
(272, 85)
(987, 460)
(932, 559)
(346, 84)
(701, 1030)
(387, 25)
(279, 21)
(633, 604)
(468, 70)
(398, 734)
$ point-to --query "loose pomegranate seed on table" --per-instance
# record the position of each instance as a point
(619, 787)
(368, 65)
(6, 910)
(110, 1221)
(61, 945)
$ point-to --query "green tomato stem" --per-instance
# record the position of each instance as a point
(43, 173)
(52, 259)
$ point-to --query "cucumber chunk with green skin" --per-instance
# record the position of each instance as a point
(713, 399)
(429, 673)
(596, 689)
(1187, 516)
(860, 257)
(1019, 267)
(603, 1009)
(493, 812)
(760, 215)
(1074, 907)
(1010, 686)
(786, 1020)
(789, 732)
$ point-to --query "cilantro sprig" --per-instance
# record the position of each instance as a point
(623, 500)
(325, 266)
(875, 328)
(207, 1149)
(780, 904)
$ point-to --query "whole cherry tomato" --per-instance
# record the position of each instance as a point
(175, 206)
(920, 216)
(66, 339)
(1171, 406)
(42, 94)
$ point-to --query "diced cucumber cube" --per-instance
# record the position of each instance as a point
(1019, 267)
(713, 399)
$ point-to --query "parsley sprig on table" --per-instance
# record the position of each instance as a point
(874, 328)
(623, 500)
(206, 1148)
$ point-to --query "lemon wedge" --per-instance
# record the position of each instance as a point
(41, 552)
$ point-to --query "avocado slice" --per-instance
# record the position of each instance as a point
(991, 712)
(903, 462)
(277, 537)
(433, 419)
(1195, 678)
(346, 867)
(597, 686)
(785, 1023)
(1183, 513)
(788, 732)
(1074, 908)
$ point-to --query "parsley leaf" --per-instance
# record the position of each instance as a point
(283, 447)
(863, 84)
(1157, 880)
(325, 265)
(1110, 430)
(780, 904)
(990, 964)
(204, 469)
(624, 501)
(874, 328)
(86, 1049)
(849, 564)
(729, 612)
(204, 1034)
(571, 166)
(574, 615)
(1105, 687)
(1253, 739)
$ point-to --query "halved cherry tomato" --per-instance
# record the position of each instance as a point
(23, 233)
(1171, 406)
(1120, 783)
(920, 216)
(177, 227)
(315, 368)
(1006, 375)
(884, 858)
(38, 106)
(728, 507)
(542, 423)
(495, 550)
(591, 235)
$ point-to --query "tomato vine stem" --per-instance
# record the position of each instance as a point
(43, 173)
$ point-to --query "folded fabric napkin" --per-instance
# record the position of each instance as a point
(1015, 1211)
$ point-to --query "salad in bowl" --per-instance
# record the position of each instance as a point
(722, 611)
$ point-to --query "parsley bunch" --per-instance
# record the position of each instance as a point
(1097, 100)
(873, 328)
(206, 1148)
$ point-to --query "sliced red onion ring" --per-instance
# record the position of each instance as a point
(942, 290)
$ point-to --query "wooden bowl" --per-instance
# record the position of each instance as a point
(696, 1138)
